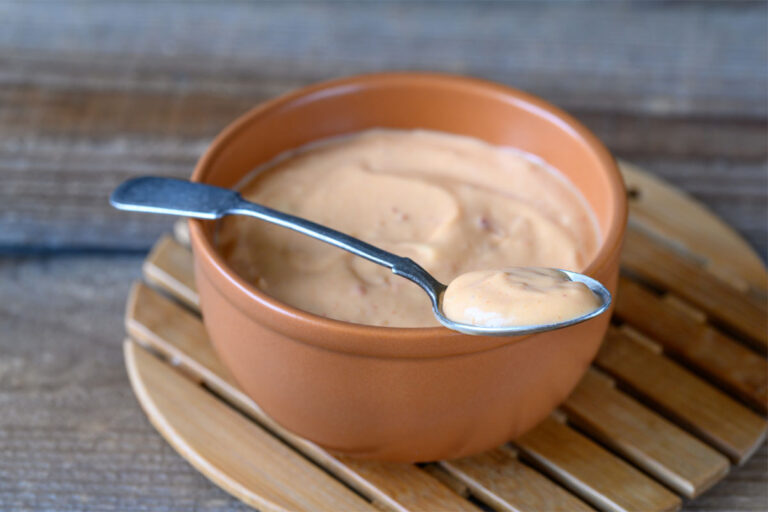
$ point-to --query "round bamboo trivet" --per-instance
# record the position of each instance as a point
(677, 395)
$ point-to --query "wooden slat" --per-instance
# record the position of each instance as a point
(652, 443)
(247, 461)
(169, 266)
(595, 474)
(666, 268)
(669, 212)
(180, 335)
(680, 332)
(504, 483)
(698, 406)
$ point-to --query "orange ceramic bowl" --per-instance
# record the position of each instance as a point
(401, 394)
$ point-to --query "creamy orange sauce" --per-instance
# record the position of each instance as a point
(454, 204)
(516, 297)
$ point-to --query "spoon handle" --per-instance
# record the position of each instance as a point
(180, 197)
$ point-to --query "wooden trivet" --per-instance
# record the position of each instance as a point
(677, 394)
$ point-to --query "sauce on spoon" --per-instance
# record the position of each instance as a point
(516, 297)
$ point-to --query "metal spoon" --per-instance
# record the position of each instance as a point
(179, 197)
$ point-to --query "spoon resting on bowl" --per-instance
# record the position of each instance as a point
(548, 298)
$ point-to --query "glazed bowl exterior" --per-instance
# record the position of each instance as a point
(401, 394)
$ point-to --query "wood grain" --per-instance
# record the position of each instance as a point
(616, 64)
(72, 436)
(78, 115)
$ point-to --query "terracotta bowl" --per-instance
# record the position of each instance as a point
(401, 394)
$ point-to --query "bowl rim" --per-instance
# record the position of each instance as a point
(203, 247)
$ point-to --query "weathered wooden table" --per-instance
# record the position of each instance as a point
(91, 93)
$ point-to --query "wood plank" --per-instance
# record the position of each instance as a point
(88, 163)
(666, 268)
(502, 482)
(729, 363)
(669, 73)
(669, 454)
(690, 401)
(247, 462)
(663, 209)
(36, 215)
(596, 475)
(169, 266)
(137, 111)
(36, 168)
(180, 335)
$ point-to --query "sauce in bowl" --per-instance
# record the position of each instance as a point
(453, 204)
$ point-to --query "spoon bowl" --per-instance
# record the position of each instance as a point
(597, 288)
